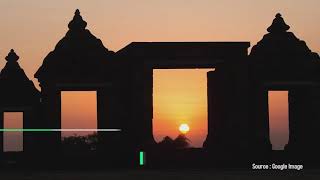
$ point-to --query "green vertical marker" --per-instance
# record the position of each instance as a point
(141, 158)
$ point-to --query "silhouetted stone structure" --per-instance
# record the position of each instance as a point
(78, 62)
(143, 57)
(238, 117)
(280, 61)
(18, 94)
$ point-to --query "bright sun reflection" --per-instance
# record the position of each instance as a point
(184, 128)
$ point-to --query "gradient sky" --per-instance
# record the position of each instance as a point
(180, 96)
(278, 119)
(13, 141)
(34, 27)
(75, 114)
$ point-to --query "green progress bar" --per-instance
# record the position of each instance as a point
(141, 155)
(56, 130)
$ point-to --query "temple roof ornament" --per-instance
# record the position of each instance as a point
(16, 87)
(281, 55)
(278, 25)
(282, 46)
(12, 70)
(12, 56)
(77, 23)
(79, 55)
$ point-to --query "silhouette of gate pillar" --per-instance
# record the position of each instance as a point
(148, 104)
(142, 107)
(304, 118)
(51, 115)
(228, 108)
(107, 118)
(260, 120)
(216, 109)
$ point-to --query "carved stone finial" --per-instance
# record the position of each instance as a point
(77, 23)
(278, 25)
(12, 56)
(77, 12)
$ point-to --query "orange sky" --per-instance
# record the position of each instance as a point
(278, 119)
(180, 96)
(34, 27)
(78, 111)
(13, 141)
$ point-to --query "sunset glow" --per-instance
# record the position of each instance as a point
(180, 97)
(78, 111)
(13, 141)
(278, 119)
(33, 28)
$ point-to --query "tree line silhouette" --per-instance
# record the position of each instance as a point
(89, 143)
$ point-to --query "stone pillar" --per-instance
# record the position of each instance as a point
(140, 126)
(215, 111)
(304, 118)
(313, 122)
(260, 124)
(228, 112)
(27, 136)
(106, 118)
(241, 105)
(148, 105)
(51, 101)
(294, 114)
(31, 140)
(222, 111)
(101, 115)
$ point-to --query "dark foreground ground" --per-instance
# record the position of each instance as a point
(161, 175)
(186, 165)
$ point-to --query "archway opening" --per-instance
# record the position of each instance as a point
(180, 104)
(278, 119)
(13, 140)
(78, 118)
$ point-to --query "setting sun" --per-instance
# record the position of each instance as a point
(184, 128)
(182, 100)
